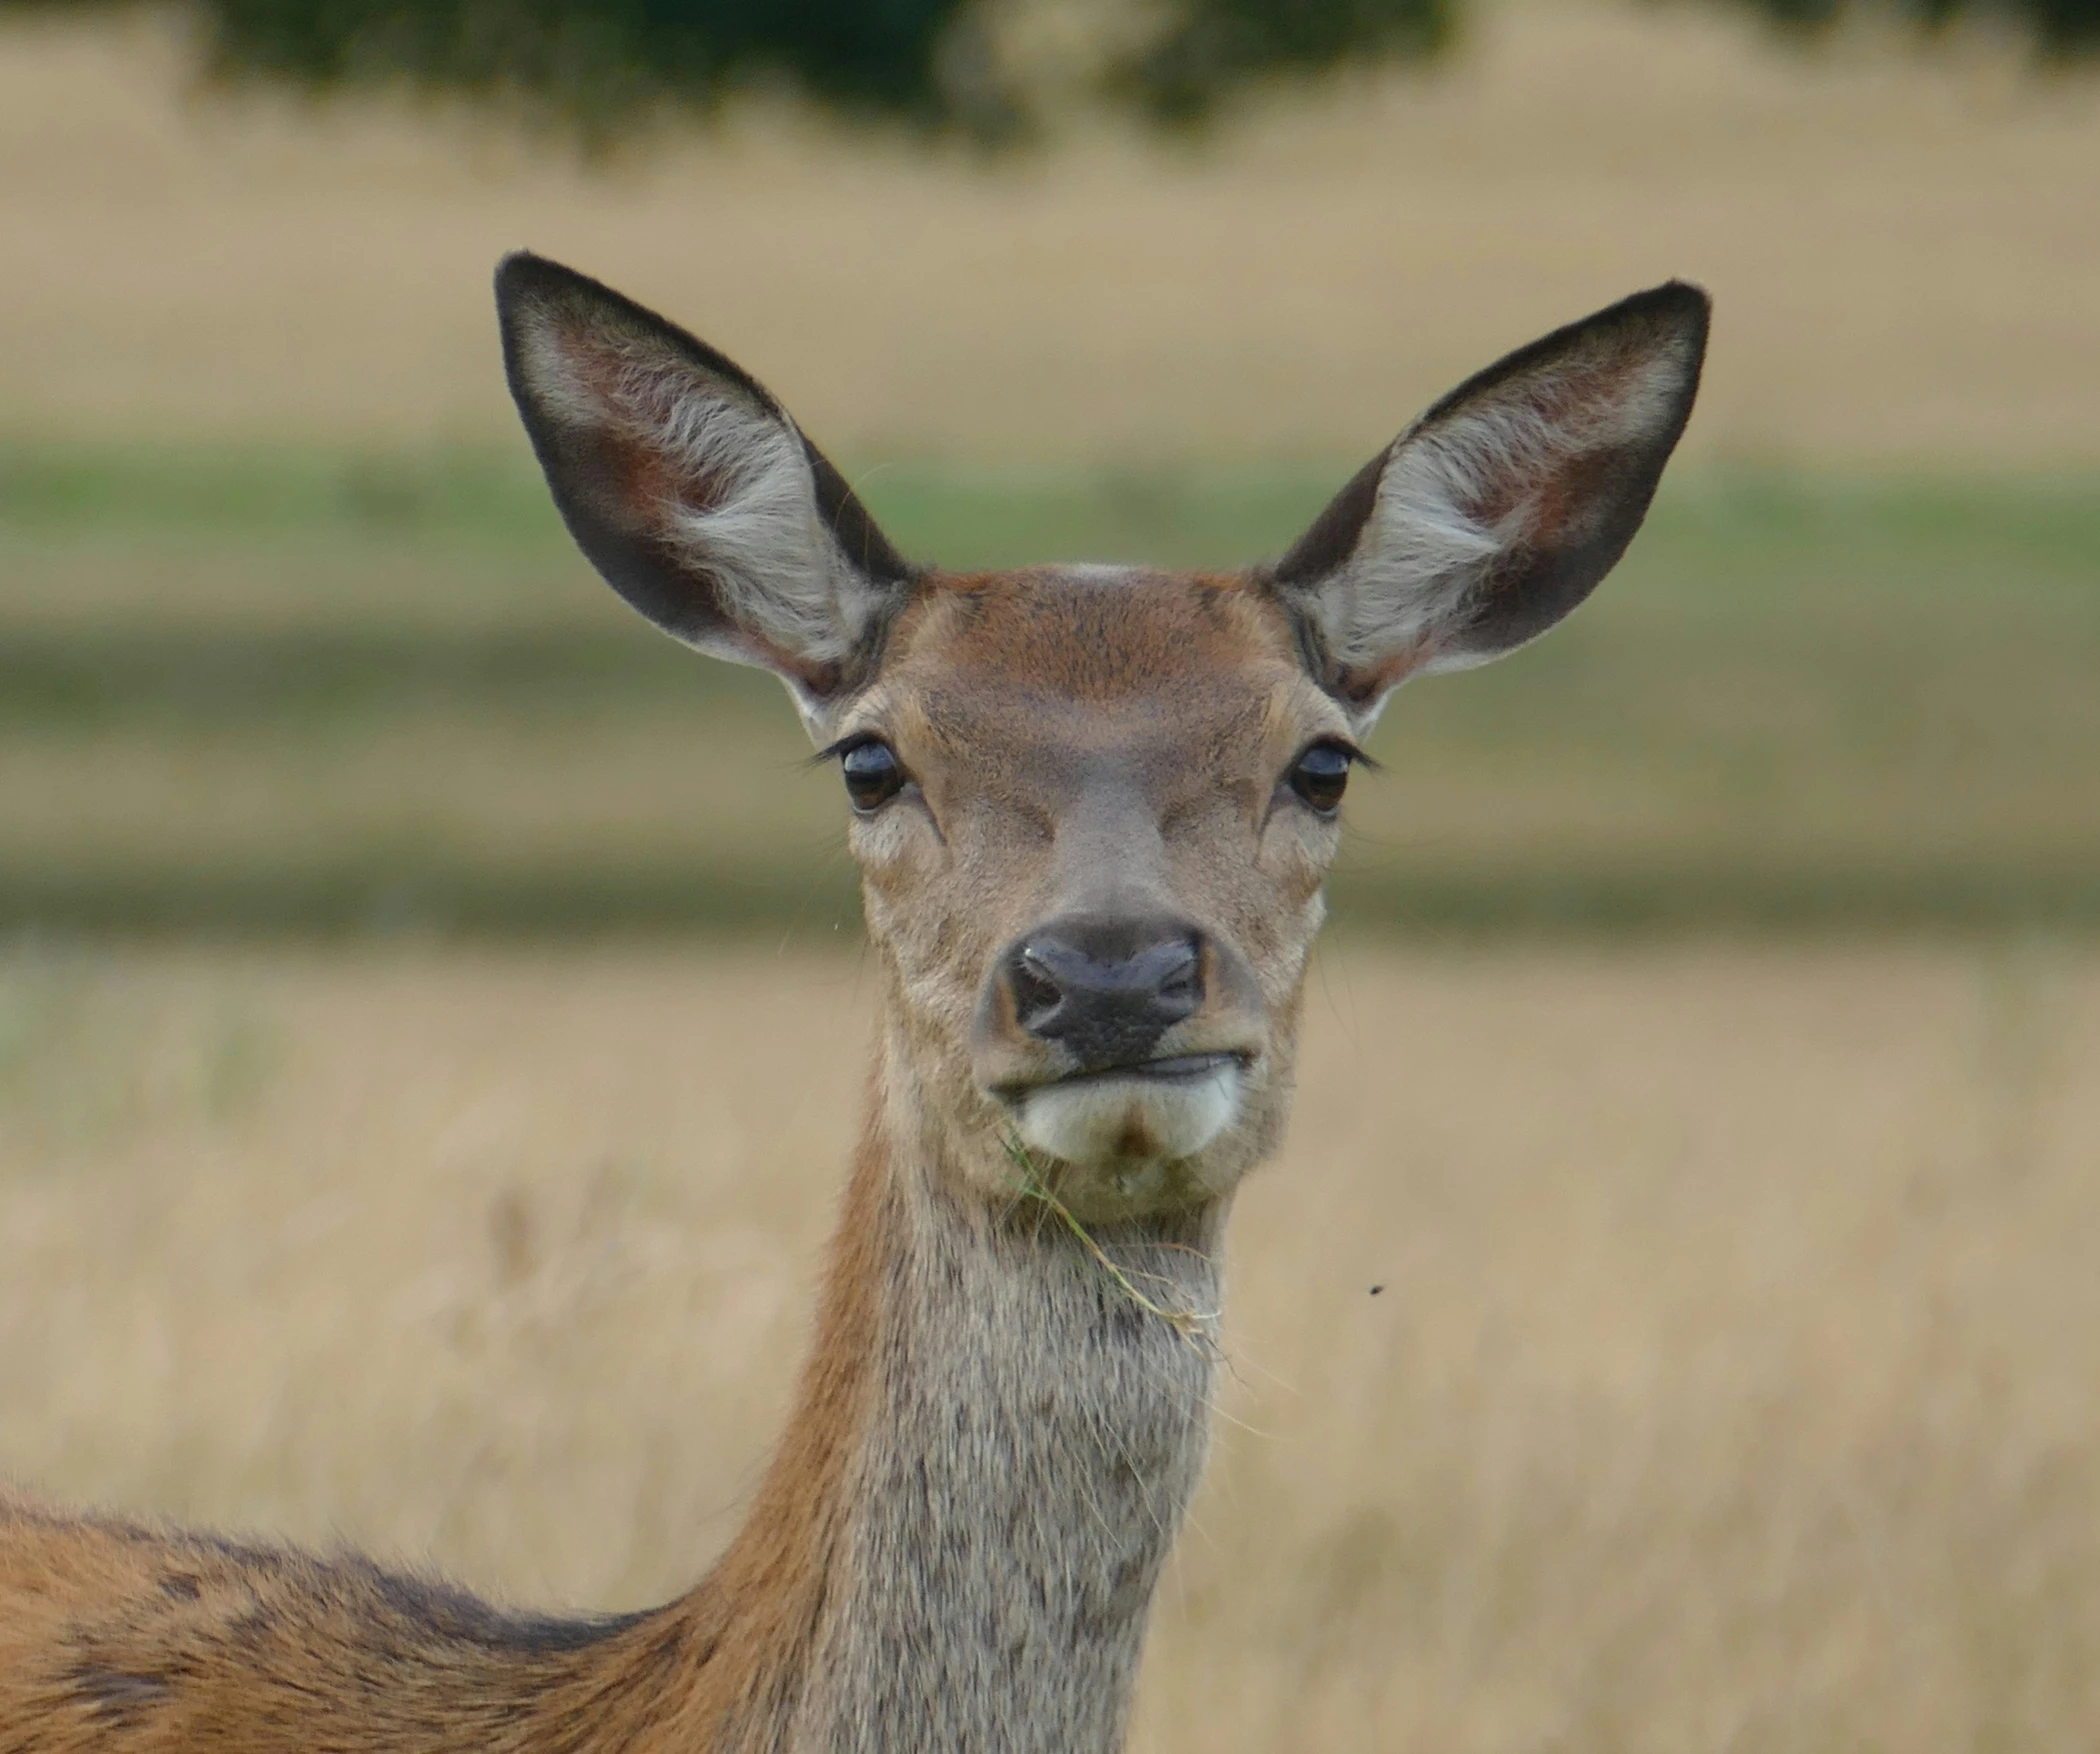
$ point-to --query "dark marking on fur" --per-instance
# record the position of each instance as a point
(455, 1615)
(119, 1698)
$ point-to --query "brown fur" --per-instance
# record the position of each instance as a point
(1004, 1414)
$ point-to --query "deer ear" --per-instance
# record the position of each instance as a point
(689, 488)
(1500, 509)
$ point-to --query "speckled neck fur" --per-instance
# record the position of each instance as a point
(1030, 1440)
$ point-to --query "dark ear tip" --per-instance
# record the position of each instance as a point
(518, 272)
(1685, 294)
(524, 279)
(1675, 304)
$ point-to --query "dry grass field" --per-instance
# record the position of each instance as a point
(1732, 1384)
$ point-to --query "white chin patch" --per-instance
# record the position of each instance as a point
(1103, 1120)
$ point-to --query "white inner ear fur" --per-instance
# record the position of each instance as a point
(741, 507)
(1426, 547)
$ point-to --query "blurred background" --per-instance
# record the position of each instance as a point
(431, 1008)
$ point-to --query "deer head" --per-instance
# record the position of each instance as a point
(1093, 806)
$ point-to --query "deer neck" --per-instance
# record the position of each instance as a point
(958, 1543)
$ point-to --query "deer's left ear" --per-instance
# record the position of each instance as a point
(691, 490)
(1500, 509)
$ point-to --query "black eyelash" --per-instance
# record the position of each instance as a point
(1357, 758)
(842, 748)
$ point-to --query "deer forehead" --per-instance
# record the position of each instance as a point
(1062, 676)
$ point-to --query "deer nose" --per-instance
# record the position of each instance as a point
(1105, 990)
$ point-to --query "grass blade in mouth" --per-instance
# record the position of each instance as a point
(1191, 1324)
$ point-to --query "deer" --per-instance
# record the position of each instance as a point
(1093, 808)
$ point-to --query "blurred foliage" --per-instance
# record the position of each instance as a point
(2060, 28)
(602, 67)
(595, 65)
(1209, 48)
(984, 68)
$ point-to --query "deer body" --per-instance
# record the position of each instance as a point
(1093, 809)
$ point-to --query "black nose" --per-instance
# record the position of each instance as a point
(1106, 990)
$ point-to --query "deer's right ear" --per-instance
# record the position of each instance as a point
(691, 490)
(1499, 510)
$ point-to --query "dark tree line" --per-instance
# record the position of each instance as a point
(601, 66)
(2060, 28)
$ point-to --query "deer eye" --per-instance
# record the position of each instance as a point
(1321, 775)
(873, 773)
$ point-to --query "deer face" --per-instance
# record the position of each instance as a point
(1093, 867)
(1094, 807)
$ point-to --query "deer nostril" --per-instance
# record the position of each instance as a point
(1180, 976)
(1036, 992)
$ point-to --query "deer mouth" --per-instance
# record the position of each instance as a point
(1171, 1070)
(1175, 1069)
(1156, 1110)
